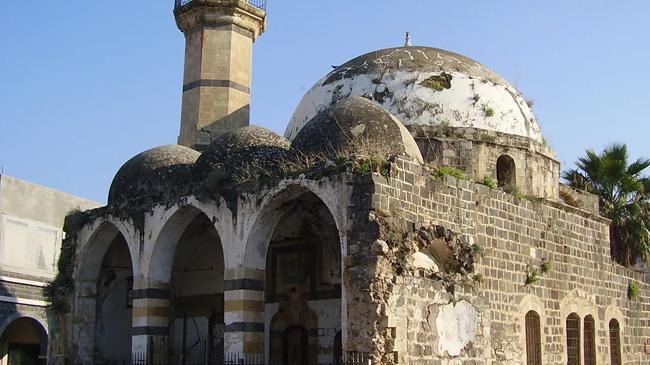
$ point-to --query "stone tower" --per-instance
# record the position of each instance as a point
(219, 36)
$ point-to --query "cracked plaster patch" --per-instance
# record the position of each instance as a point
(455, 326)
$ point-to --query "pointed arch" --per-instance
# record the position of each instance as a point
(187, 261)
(92, 251)
(160, 261)
(272, 209)
(296, 246)
(104, 278)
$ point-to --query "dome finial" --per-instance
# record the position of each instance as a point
(408, 40)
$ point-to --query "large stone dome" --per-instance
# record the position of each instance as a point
(424, 86)
(151, 173)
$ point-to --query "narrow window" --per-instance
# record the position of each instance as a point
(573, 339)
(533, 339)
(506, 172)
(590, 340)
(615, 342)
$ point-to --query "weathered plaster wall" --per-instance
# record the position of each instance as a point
(244, 224)
(423, 86)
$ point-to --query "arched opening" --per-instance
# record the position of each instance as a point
(615, 342)
(24, 342)
(196, 312)
(104, 302)
(533, 339)
(114, 307)
(303, 284)
(506, 172)
(590, 340)
(573, 339)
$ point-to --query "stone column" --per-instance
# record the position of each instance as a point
(244, 312)
(151, 308)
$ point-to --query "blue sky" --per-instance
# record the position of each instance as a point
(85, 85)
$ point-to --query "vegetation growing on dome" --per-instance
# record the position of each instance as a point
(438, 82)
(488, 111)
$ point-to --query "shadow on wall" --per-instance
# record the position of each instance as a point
(212, 131)
(23, 337)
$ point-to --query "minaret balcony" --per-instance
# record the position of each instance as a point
(260, 4)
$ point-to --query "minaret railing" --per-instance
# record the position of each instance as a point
(260, 4)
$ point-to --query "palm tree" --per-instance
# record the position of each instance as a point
(623, 195)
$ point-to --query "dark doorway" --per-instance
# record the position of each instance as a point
(26, 341)
(303, 279)
(296, 351)
(506, 172)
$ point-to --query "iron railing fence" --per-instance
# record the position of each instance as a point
(201, 353)
(260, 4)
(242, 359)
(349, 358)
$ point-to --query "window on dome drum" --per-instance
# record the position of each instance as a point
(573, 339)
(590, 340)
(506, 171)
(615, 342)
(533, 339)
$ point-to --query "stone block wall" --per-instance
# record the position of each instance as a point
(476, 152)
(515, 237)
(579, 199)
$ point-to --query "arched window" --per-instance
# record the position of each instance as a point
(506, 172)
(533, 339)
(573, 339)
(590, 340)
(615, 342)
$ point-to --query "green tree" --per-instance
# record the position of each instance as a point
(623, 195)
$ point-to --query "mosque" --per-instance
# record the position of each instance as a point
(412, 213)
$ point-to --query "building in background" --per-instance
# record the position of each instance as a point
(31, 232)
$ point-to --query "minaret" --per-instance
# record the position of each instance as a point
(219, 36)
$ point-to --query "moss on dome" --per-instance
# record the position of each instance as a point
(152, 174)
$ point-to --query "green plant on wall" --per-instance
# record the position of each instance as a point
(633, 290)
(514, 192)
(532, 275)
(450, 171)
(478, 249)
(489, 182)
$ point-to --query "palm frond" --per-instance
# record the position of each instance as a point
(638, 166)
(624, 197)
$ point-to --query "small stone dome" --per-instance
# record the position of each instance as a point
(426, 87)
(243, 147)
(150, 173)
(352, 125)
